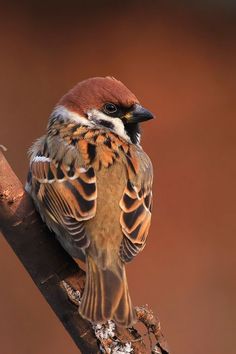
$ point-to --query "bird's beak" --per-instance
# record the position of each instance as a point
(138, 114)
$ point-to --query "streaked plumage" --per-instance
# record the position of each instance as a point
(92, 184)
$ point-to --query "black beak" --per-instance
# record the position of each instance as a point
(139, 114)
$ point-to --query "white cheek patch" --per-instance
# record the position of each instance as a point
(66, 114)
(95, 119)
(114, 124)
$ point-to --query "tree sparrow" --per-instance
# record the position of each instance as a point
(92, 184)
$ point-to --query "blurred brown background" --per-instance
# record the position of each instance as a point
(179, 59)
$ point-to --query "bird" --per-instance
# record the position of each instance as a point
(91, 182)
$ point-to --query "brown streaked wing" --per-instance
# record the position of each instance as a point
(67, 194)
(135, 219)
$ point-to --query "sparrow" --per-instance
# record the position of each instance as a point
(91, 182)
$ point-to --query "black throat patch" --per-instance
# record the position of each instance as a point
(106, 124)
(133, 131)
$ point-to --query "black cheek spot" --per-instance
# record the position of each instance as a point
(106, 124)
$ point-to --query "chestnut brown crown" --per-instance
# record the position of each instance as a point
(93, 93)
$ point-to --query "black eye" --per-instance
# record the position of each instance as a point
(110, 108)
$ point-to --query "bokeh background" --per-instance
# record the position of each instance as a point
(179, 58)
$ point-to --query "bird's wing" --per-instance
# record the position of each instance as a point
(136, 205)
(67, 195)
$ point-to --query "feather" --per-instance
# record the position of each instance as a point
(135, 206)
(66, 195)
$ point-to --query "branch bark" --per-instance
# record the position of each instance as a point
(58, 277)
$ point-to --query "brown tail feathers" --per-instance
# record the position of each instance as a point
(106, 295)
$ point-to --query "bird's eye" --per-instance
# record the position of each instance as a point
(110, 108)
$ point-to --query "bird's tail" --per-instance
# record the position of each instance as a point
(106, 295)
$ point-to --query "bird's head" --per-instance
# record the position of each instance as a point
(104, 102)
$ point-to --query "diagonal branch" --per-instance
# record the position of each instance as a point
(56, 275)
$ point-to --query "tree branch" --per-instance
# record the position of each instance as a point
(59, 278)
